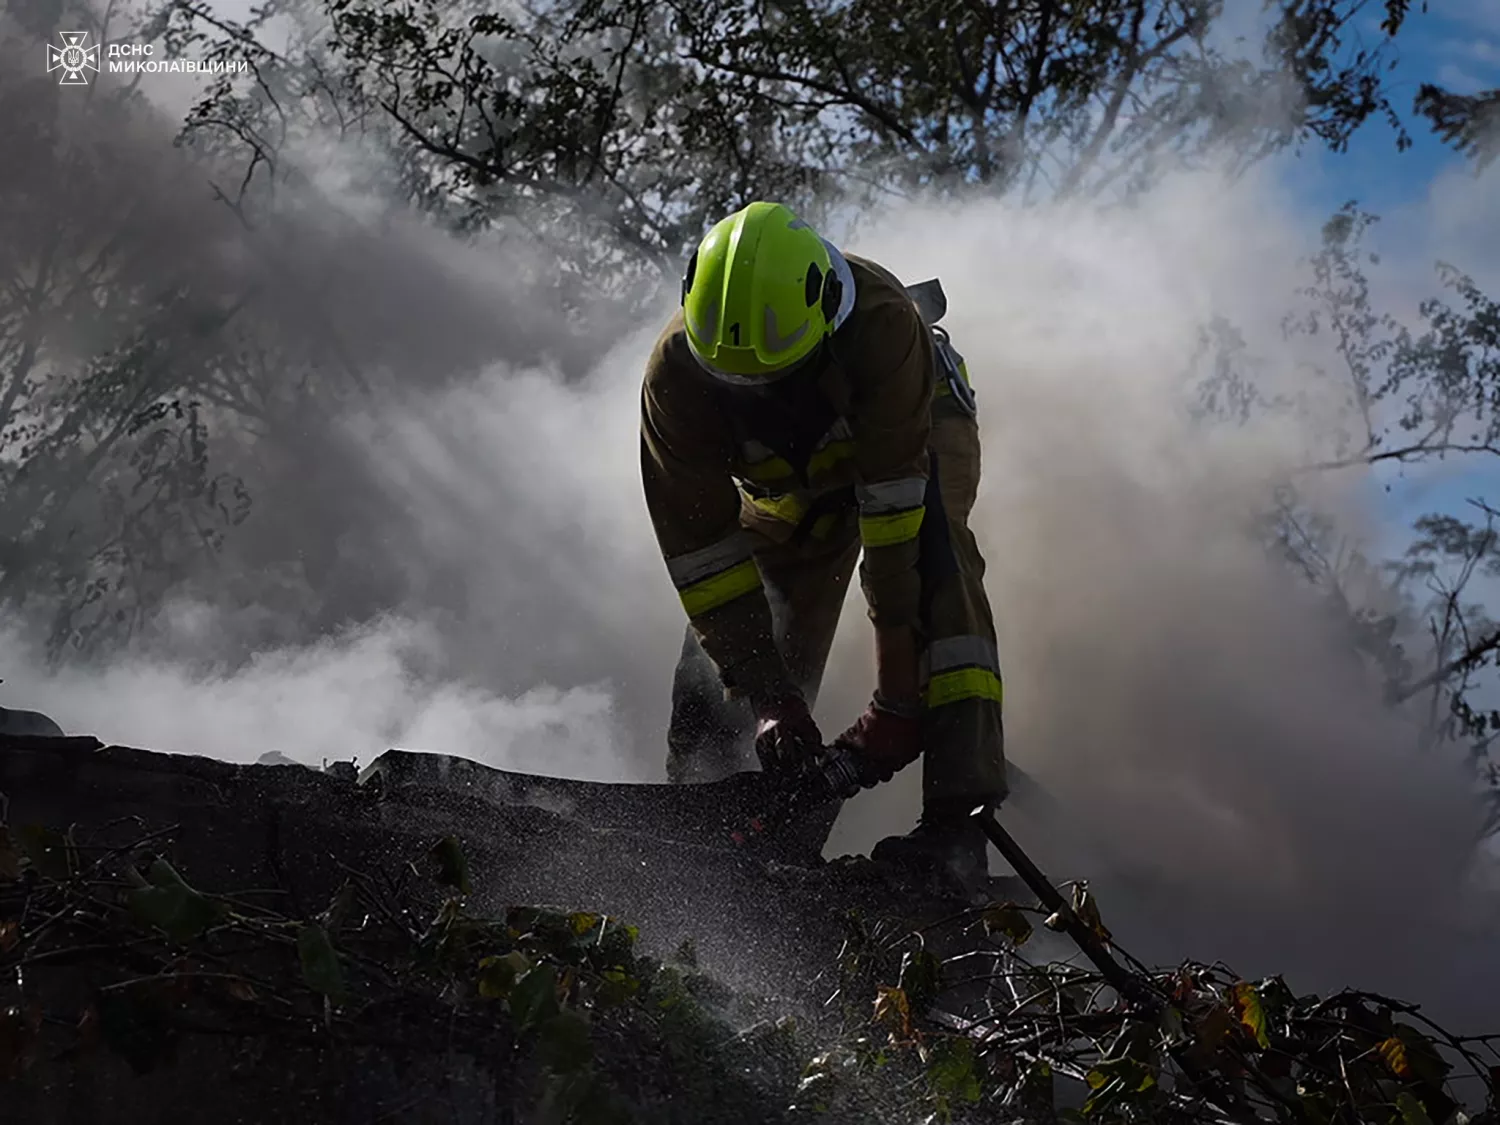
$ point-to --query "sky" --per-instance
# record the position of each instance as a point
(1455, 43)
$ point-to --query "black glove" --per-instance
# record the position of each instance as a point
(786, 738)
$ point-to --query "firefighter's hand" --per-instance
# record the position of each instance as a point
(883, 741)
(786, 738)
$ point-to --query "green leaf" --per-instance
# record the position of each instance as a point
(321, 970)
(1275, 997)
(1251, 1015)
(615, 947)
(1411, 1110)
(582, 922)
(453, 868)
(497, 974)
(48, 851)
(1137, 1040)
(921, 978)
(533, 997)
(135, 1024)
(170, 905)
(549, 930)
(1133, 1075)
(667, 989)
(1214, 1027)
(1008, 919)
(950, 1069)
(10, 858)
(565, 1043)
(1173, 1030)
(616, 987)
(1317, 1106)
(1115, 1080)
(1036, 1091)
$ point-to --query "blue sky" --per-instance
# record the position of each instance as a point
(1431, 203)
(1455, 43)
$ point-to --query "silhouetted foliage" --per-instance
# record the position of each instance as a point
(1468, 122)
(571, 1022)
(1418, 396)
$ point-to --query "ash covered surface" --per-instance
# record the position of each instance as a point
(289, 840)
(188, 940)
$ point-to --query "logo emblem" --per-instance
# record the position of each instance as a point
(73, 58)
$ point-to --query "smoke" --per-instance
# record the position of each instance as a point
(334, 700)
(1185, 697)
(468, 567)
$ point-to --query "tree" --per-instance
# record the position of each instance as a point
(1468, 122)
(1419, 396)
(621, 127)
(107, 494)
(1041, 97)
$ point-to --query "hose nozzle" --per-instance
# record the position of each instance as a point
(838, 775)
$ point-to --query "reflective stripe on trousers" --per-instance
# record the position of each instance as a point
(962, 667)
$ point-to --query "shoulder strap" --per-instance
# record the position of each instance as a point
(931, 301)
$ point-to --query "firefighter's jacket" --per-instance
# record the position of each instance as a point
(722, 464)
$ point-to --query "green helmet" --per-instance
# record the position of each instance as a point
(759, 296)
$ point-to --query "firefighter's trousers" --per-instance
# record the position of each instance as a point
(963, 755)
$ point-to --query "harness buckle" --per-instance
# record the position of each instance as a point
(952, 364)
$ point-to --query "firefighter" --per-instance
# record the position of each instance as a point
(800, 417)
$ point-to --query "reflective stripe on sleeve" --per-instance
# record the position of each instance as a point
(834, 446)
(891, 511)
(721, 589)
(891, 495)
(695, 566)
(964, 667)
(828, 456)
(716, 574)
(762, 465)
